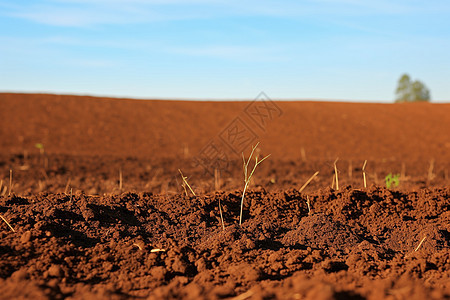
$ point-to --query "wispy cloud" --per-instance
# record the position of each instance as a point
(91, 63)
(85, 13)
(81, 16)
(235, 52)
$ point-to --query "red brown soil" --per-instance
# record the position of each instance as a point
(97, 242)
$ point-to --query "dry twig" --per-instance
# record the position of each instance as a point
(10, 182)
(308, 181)
(185, 183)
(303, 153)
(307, 203)
(221, 216)
(364, 173)
(403, 172)
(248, 176)
(120, 179)
(7, 223)
(420, 244)
(66, 190)
(216, 179)
(350, 170)
(157, 250)
(336, 174)
(430, 170)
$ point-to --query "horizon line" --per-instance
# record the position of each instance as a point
(200, 99)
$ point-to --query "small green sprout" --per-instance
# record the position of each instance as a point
(392, 180)
(40, 146)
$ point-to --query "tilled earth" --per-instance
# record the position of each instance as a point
(100, 213)
(353, 244)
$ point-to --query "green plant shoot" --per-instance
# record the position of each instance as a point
(392, 180)
(40, 146)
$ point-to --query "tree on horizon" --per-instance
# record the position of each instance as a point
(411, 91)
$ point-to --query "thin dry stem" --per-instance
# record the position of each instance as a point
(7, 223)
(41, 185)
(221, 216)
(420, 244)
(120, 179)
(185, 150)
(184, 178)
(364, 173)
(137, 245)
(336, 172)
(185, 190)
(183, 184)
(157, 250)
(10, 182)
(247, 176)
(217, 179)
(66, 190)
(303, 153)
(350, 170)
(430, 170)
(308, 181)
(307, 203)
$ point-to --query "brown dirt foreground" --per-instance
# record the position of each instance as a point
(71, 229)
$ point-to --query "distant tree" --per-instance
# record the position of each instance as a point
(411, 91)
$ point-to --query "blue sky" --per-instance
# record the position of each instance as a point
(225, 49)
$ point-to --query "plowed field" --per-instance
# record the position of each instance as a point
(93, 204)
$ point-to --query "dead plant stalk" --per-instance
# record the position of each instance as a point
(221, 216)
(248, 176)
(66, 190)
(157, 250)
(10, 182)
(308, 181)
(216, 179)
(420, 244)
(7, 223)
(350, 170)
(185, 183)
(430, 170)
(308, 203)
(120, 179)
(364, 173)
(336, 174)
(303, 153)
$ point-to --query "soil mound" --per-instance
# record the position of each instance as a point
(321, 232)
